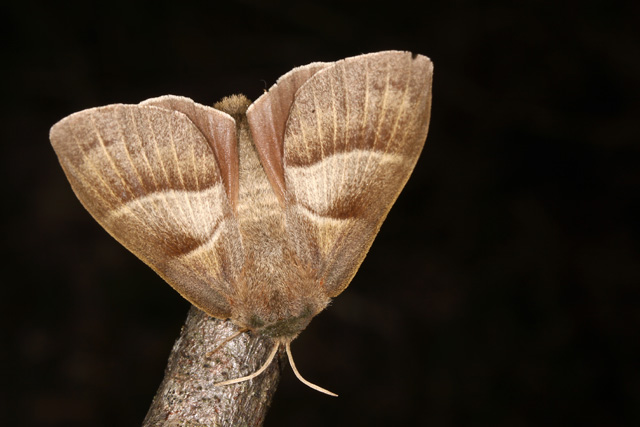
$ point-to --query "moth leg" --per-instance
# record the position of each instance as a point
(306, 382)
(229, 338)
(264, 367)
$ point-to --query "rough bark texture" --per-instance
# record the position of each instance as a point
(187, 396)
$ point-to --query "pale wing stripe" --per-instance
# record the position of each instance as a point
(209, 212)
(303, 135)
(310, 176)
(332, 190)
(174, 149)
(208, 227)
(384, 110)
(143, 151)
(319, 218)
(207, 247)
(321, 191)
(163, 168)
(305, 139)
(202, 231)
(331, 228)
(206, 202)
(138, 137)
(183, 216)
(124, 139)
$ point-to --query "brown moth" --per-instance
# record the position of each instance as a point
(259, 213)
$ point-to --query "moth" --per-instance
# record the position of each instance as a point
(256, 212)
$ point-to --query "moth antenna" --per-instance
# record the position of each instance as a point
(256, 373)
(295, 371)
(229, 338)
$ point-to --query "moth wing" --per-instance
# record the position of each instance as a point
(267, 118)
(353, 136)
(219, 131)
(149, 176)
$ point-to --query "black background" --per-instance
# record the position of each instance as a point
(502, 289)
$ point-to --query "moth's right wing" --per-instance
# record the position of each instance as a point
(267, 118)
(353, 135)
(149, 176)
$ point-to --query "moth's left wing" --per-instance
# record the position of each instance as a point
(353, 136)
(218, 129)
(149, 175)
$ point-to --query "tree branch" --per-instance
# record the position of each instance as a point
(187, 396)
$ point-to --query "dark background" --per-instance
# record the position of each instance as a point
(502, 289)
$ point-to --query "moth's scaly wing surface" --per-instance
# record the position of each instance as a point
(267, 118)
(150, 178)
(353, 136)
(219, 131)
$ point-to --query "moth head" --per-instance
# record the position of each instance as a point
(281, 312)
(283, 329)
